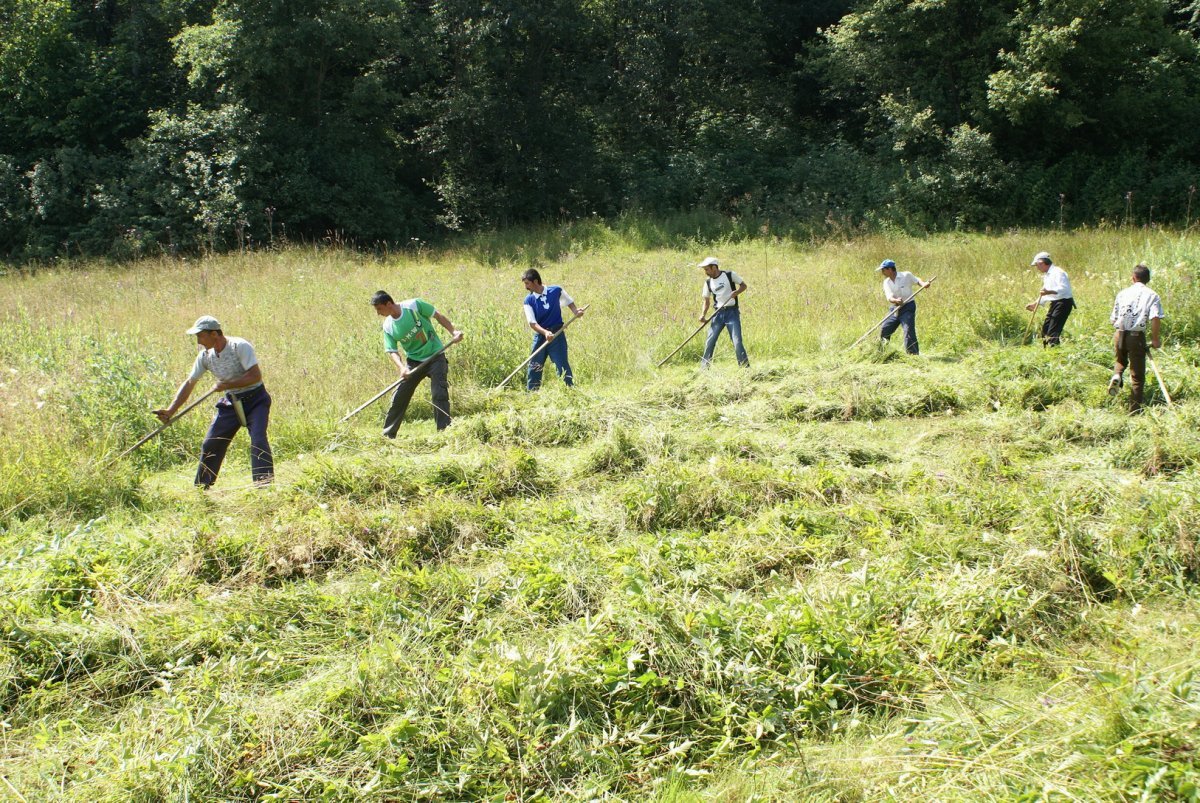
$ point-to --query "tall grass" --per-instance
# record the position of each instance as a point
(832, 576)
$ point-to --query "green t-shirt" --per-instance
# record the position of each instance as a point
(412, 331)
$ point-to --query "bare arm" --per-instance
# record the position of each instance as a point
(741, 288)
(704, 312)
(252, 377)
(455, 334)
(181, 397)
(1154, 327)
(399, 362)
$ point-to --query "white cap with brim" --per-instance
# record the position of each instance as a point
(709, 261)
(205, 323)
(1040, 256)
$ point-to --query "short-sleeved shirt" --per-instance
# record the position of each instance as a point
(722, 287)
(1055, 280)
(235, 359)
(1135, 306)
(900, 287)
(412, 331)
(546, 309)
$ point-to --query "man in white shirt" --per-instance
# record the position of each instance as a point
(1056, 291)
(898, 288)
(246, 402)
(1135, 308)
(721, 288)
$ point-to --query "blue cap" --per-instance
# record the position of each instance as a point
(887, 263)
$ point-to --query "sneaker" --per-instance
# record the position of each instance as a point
(1115, 384)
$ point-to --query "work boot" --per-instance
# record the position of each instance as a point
(1115, 384)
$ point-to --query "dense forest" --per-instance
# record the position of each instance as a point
(130, 127)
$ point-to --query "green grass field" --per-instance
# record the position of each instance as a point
(833, 576)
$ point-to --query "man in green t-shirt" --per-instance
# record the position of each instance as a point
(408, 326)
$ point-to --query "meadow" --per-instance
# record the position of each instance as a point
(836, 575)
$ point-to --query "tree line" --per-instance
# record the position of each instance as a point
(137, 126)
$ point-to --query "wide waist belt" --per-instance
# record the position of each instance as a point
(241, 393)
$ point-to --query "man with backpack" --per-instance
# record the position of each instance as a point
(722, 287)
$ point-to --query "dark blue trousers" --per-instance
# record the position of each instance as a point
(905, 318)
(256, 404)
(557, 352)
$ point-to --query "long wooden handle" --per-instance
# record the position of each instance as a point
(168, 423)
(1029, 326)
(539, 349)
(1158, 376)
(693, 334)
(890, 314)
(390, 387)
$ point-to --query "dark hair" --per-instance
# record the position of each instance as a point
(380, 297)
(532, 275)
(1141, 272)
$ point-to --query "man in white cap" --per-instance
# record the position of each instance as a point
(245, 403)
(1056, 291)
(1136, 307)
(722, 287)
(899, 289)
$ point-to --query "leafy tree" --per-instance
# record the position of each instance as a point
(326, 84)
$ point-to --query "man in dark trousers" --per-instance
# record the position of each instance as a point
(246, 402)
(409, 326)
(1056, 291)
(899, 289)
(543, 311)
(1136, 308)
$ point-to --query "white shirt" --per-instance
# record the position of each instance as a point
(1134, 307)
(900, 287)
(1055, 279)
(234, 360)
(721, 287)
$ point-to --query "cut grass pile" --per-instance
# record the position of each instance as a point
(618, 604)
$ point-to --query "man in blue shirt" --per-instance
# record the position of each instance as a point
(543, 310)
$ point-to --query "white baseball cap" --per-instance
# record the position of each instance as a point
(1041, 256)
(708, 261)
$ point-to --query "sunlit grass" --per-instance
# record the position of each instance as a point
(831, 576)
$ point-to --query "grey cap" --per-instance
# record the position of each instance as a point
(1041, 256)
(205, 323)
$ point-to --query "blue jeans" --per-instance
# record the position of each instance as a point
(256, 404)
(730, 319)
(906, 318)
(557, 352)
